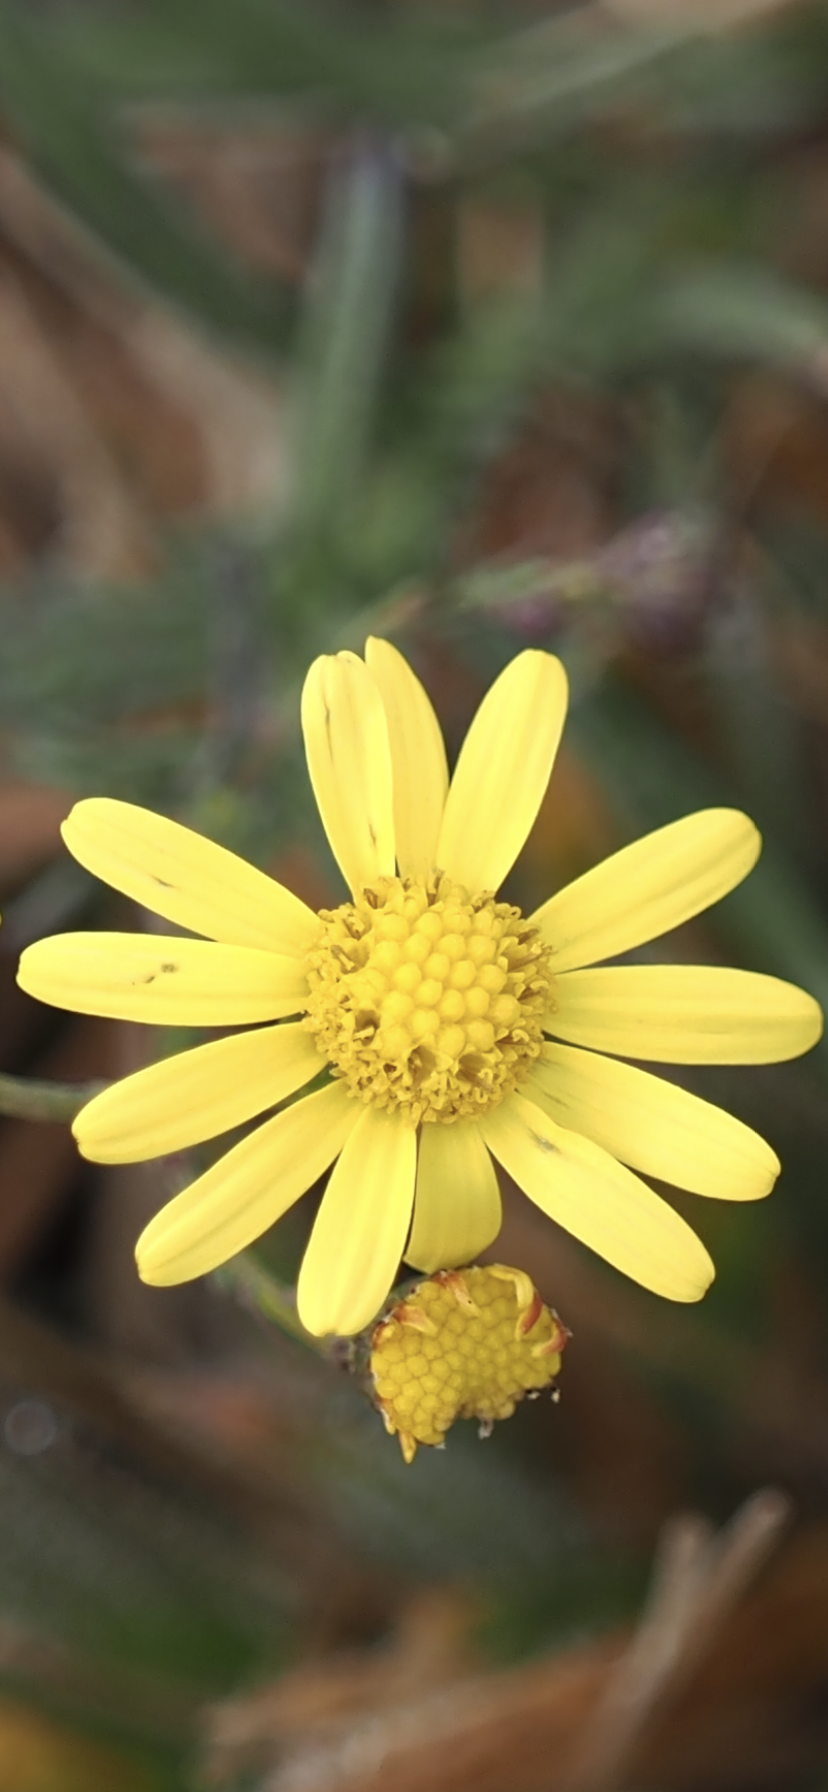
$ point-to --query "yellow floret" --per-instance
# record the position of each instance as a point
(464, 1344)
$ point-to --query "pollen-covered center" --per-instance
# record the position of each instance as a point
(426, 998)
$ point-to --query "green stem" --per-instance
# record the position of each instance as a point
(259, 1291)
(24, 1099)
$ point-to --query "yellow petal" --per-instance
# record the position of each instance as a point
(187, 879)
(685, 1014)
(168, 981)
(247, 1190)
(599, 1201)
(652, 1125)
(360, 1230)
(502, 772)
(457, 1200)
(649, 887)
(196, 1095)
(418, 758)
(349, 761)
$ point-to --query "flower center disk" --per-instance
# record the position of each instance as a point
(425, 998)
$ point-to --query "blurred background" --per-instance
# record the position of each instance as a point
(480, 326)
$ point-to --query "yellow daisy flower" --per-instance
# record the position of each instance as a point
(456, 1029)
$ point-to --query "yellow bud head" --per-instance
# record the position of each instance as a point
(463, 1344)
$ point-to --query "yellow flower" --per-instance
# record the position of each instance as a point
(462, 1346)
(430, 1002)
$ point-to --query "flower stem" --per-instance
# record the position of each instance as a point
(24, 1099)
(261, 1292)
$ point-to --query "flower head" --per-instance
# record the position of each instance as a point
(462, 1345)
(454, 1029)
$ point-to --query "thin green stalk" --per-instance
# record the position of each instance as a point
(23, 1099)
(262, 1293)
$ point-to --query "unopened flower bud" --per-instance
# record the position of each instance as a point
(463, 1344)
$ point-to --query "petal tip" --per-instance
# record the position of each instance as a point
(151, 1258)
(548, 667)
(100, 810)
(752, 834)
(774, 1169)
(818, 1023)
(95, 1151)
(764, 1185)
(811, 1025)
(154, 1266)
(689, 1292)
(26, 974)
(311, 1313)
(699, 1283)
(147, 1272)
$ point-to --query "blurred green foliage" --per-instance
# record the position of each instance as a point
(660, 166)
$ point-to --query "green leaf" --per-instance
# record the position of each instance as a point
(67, 127)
